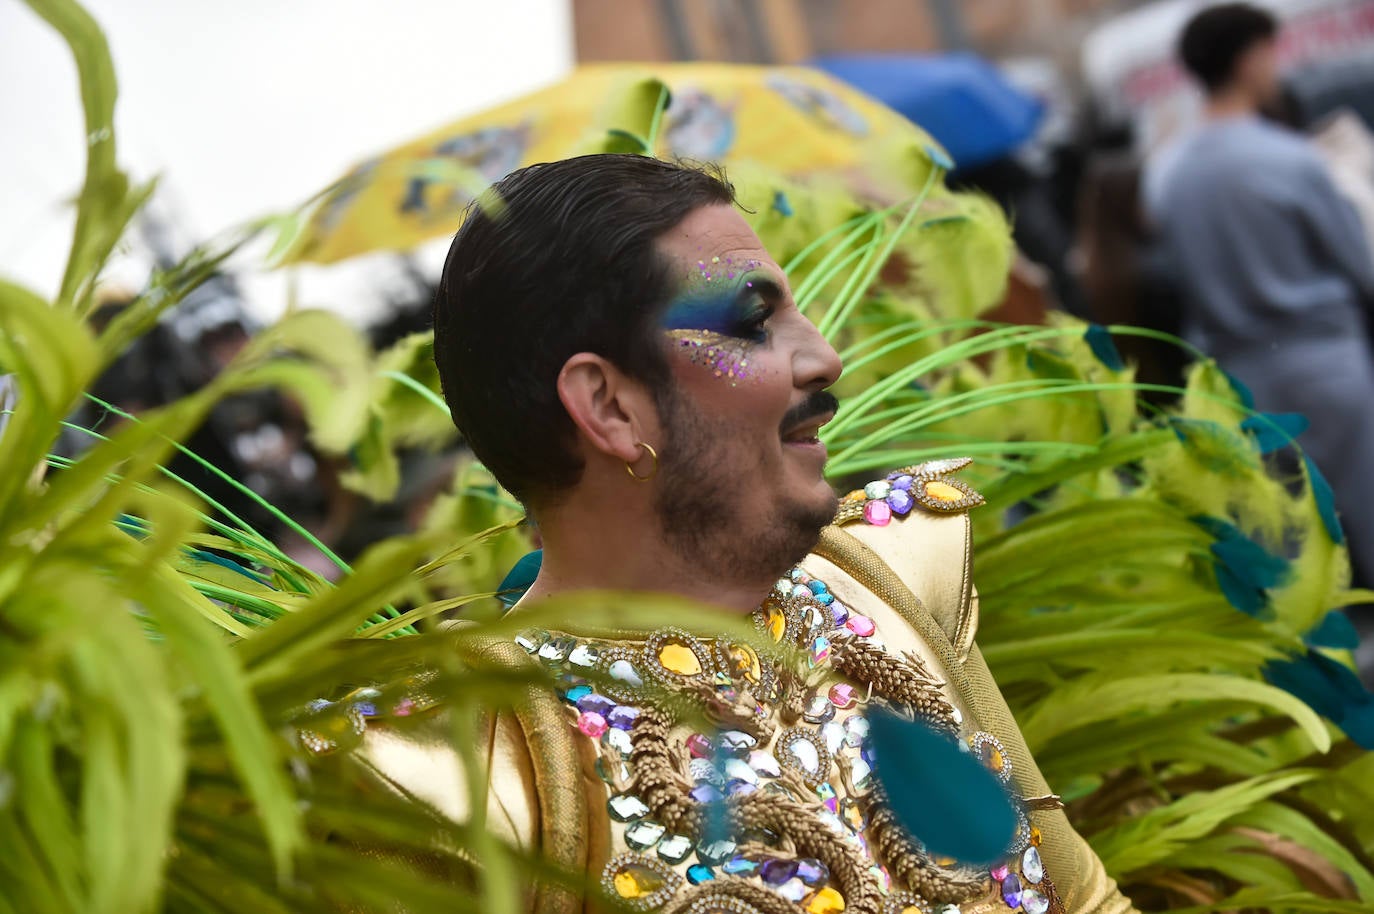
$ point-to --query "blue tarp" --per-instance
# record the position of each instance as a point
(960, 99)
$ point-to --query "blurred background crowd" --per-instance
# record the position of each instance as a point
(1073, 114)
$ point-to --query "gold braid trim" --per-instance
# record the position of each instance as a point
(738, 896)
(665, 790)
(901, 680)
(916, 870)
(904, 681)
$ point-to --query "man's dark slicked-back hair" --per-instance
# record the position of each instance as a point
(1215, 39)
(556, 259)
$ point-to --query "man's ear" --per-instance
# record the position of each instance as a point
(612, 411)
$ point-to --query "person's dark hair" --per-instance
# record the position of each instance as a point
(556, 259)
(1215, 39)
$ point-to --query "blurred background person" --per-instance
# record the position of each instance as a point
(1273, 262)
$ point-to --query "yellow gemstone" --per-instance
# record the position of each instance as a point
(943, 491)
(677, 657)
(826, 901)
(912, 909)
(745, 662)
(636, 881)
(993, 757)
(1035, 836)
(776, 622)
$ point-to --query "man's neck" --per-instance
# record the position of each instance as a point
(1228, 104)
(610, 556)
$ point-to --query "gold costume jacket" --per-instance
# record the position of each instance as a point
(773, 808)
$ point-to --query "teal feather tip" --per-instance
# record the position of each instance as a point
(1334, 631)
(1273, 431)
(1100, 341)
(1326, 501)
(1245, 570)
(1329, 688)
(781, 205)
(519, 579)
(939, 157)
(939, 792)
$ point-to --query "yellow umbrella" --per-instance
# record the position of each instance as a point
(794, 120)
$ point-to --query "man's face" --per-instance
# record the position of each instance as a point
(741, 483)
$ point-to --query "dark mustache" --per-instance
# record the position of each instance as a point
(819, 403)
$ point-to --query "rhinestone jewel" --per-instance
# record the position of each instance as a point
(860, 625)
(679, 658)
(943, 465)
(878, 489)
(701, 769)
(820, 651)
(943, 491)
(739, 866)
(842, 695)
(1034, 902)
(794, 890)
(834, 735)
(624, 671)
(532, 639)
(826, 901)
(779, 870)
(715, 852)
(1011, 890)
(744, 661)
(801, 592)
(806, 755)
(1000, 872)
(737, 742)
(699, 746)
(861, 773)
(818, 710)
(622, 717)
(591, 724)
(776, 622)
(626, 807)
(618, 741)
(557, 649)
(596, 703)
(633, 881)
(839, 613)
(585, 656)
(697, 874)
(900, 501)
(643, 834)
(608, 771)
(675, 848)
(577, 693)
(812, 871)
(740, 770)
(878, 513)
(852, 814)
(705, 793)
(1031, 866)
(901, 483)
(765, 764)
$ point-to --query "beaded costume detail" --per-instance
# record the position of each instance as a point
(771, 806)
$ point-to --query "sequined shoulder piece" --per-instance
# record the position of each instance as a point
(929, 485)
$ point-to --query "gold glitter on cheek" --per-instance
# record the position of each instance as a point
(724, 356)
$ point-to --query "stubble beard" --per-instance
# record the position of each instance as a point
(701, 503)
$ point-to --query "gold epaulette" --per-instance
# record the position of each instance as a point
(928, 485)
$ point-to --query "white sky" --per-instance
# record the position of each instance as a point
(250, 106)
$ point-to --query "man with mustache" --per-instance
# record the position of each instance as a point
(621, 352)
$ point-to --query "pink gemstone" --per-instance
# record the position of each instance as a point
(1000, 872)
(699, 746)
(842, 695)
(833, 805)
(592, 724)
(860, 625)
(878, 513)
(403, 708)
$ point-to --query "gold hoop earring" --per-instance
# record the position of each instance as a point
(629, 468)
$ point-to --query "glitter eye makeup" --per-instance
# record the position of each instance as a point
(720, 320)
